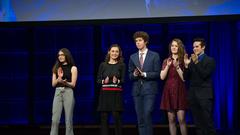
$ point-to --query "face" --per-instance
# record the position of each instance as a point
(197, 48)
(61, 57)
(140, 43)
(174, 47)
(114, 53)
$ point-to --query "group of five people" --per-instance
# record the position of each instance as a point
(144, 72)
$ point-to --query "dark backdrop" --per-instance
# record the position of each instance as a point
(27, 54)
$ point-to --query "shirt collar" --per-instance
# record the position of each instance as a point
(200, 56)
(145, 52)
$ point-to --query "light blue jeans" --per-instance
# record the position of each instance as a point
(63, 98)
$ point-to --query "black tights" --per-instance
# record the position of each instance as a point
(117, 122)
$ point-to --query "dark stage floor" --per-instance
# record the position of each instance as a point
(94, 130)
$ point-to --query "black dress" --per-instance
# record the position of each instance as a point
(110, 98)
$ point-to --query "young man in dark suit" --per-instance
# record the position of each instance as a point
(198, 70)
(144, 70)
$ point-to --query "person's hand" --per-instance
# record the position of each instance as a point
(136, 72)
(142, 74)
(186, 60)
(106, 80)
(169, 61)
(194, 58)
(64, 81)
(60, 72)
(60, 80)
(114, 79)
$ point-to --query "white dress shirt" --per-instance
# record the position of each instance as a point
(144, 56)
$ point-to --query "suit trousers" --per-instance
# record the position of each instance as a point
(144, 106)
(202, 115)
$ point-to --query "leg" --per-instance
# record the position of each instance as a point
(197, 116)
(182, 121)
(148, 108)
(172, 123)
(56, 111)
(68, 103)
(118, 123)
(138, 102)
(104, 123)
(206, 106)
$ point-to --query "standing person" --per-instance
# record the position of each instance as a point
(64, 78)
(111, 75)
(144, 69)
(198, 70)
(174, 98)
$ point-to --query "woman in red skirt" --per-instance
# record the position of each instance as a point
(174, 98)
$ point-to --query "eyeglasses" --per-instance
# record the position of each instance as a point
(61, 55)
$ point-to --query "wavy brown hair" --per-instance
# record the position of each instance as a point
(120, 57)
(68, 58)
(141, 34)
(181, 49)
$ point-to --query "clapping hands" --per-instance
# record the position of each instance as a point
(115, 80)
(107, 80)
(186, 60)
(194, 58)
(169, 61)
(60, 75)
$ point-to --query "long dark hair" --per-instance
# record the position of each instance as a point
(68, 58)
(120, 57)
(181, 49)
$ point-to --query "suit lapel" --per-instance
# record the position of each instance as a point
(136, 60)
(146, 59)
(204, 59)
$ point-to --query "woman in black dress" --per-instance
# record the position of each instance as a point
(111, 77)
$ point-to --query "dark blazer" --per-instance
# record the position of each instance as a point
(199, 76)
(151, 66)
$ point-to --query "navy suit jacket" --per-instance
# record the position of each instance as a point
(148, 84)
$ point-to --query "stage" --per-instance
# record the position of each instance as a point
(95, 130)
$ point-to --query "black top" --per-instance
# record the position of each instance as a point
(110, 70)
(66, 74)
(110, 96)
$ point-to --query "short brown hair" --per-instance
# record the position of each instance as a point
(203, 42)
(141, 34)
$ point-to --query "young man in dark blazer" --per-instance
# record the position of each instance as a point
(198, 70)
(144, 70)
